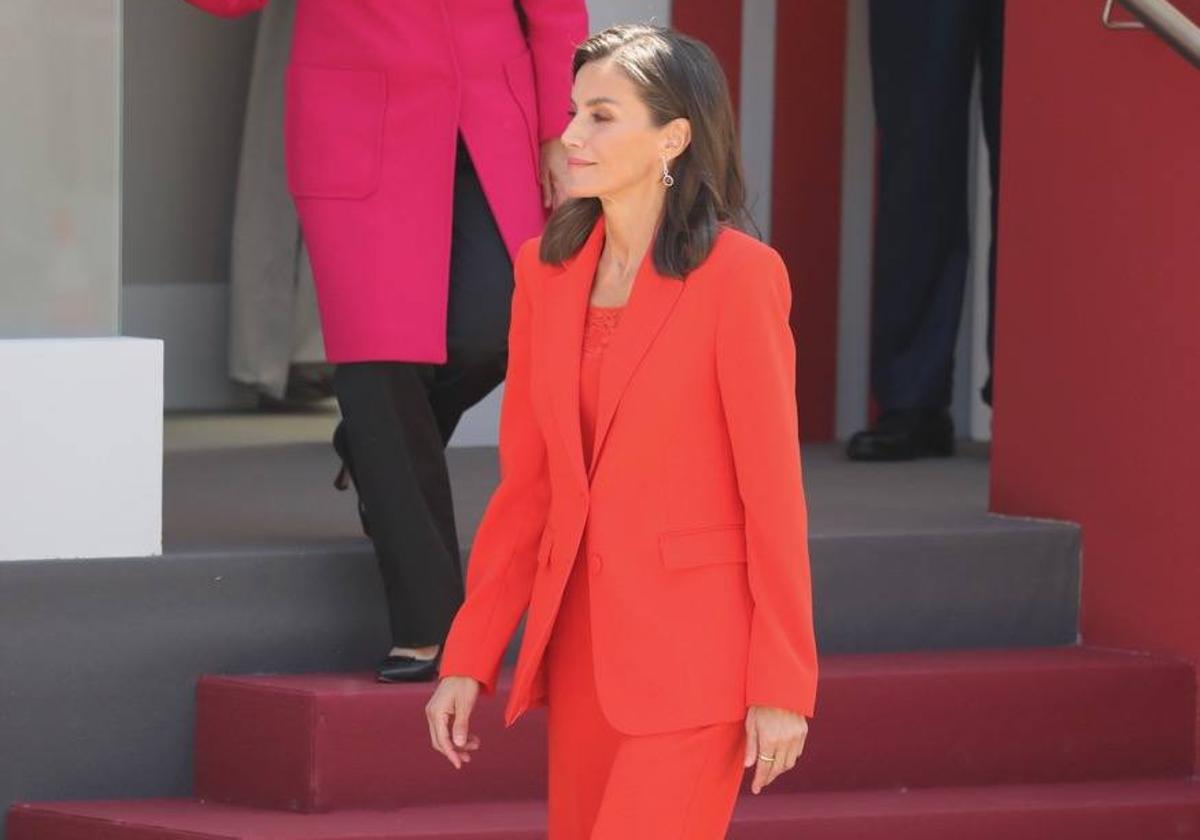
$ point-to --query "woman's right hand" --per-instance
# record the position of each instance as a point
(453, 699)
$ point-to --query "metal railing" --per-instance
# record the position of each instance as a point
(1165, 20)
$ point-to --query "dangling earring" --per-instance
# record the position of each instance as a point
(667, 178)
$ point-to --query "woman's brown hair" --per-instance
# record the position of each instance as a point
(675, 76)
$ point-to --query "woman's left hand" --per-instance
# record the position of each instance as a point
(553, 174)
(777, 734)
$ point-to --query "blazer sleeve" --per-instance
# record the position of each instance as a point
(756, 370)
(229, 8)
(554, 29)
(503, 555)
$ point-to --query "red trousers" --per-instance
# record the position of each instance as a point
(607, 785)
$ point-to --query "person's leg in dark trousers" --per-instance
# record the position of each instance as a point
(400, 475)
(991, 72)
(922, 62)
(481, 289)
(398, 417)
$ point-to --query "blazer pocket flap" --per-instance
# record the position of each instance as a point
(701, 546)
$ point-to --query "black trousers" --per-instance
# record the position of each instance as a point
(398, 417)
(922, 60)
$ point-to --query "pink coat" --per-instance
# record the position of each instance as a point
(376, 90)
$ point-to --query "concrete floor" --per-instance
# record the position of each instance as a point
(283, 466)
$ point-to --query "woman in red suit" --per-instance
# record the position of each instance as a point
(650, 516)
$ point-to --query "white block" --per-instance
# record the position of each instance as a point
(80, 448)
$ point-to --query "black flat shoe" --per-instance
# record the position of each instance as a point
(399, 668)
(903, 435)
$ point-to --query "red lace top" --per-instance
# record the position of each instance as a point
(601, 321)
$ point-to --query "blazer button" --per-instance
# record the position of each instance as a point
(597, 563)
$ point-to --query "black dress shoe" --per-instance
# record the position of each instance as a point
(903, 435)
(400, 668)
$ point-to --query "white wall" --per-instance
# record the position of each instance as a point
(81, 421)
(756, 118)
(854, 281)
(605, 13)
(59, 187)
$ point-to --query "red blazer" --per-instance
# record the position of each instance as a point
(694, 505)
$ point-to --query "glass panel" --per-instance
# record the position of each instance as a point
(59, 181)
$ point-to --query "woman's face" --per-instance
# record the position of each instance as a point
(611, 143)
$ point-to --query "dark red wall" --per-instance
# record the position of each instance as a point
(806, 189)
(717, 23)
(806, 193)
(1097, 402)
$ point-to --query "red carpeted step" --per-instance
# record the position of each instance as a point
(325, 741)
(1127, 810)
(185, 819)
(1130, 810)
(971, 717)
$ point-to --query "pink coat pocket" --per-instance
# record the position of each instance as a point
(335, 119)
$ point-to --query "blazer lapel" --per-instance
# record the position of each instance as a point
(567, 296)
(650, 302)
